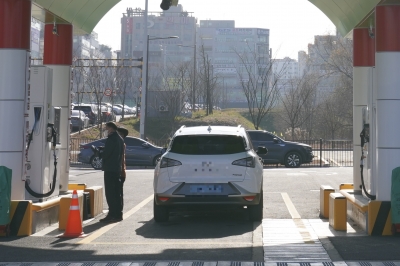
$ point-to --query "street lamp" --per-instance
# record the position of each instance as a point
(145, 85)
(194, 76)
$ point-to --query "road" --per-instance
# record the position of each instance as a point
(291, 205)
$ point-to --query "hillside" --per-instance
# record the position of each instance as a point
(161, 129)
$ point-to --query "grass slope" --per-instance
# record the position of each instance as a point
(161, 128)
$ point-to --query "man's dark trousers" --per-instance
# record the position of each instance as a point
(112, 187)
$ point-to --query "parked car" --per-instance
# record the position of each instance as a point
(213, 166)
(79, 120)
(90, 110)
(127, 109)
(117, 110)
(290, 154)
(138, 152)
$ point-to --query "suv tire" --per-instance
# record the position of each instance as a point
(96, 162)
(256, 211)
(292, 160)
(160, 213)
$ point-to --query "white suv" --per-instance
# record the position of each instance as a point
(209, 165)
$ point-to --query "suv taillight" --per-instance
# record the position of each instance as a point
(165, 162)
(246, 162)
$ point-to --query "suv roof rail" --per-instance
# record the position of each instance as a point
(239, 126)
(182, 127)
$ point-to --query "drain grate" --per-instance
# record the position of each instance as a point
(389, 263)
(112, 264)
(149, 264)
(89, 264)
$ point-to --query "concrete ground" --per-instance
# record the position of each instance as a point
(290, 232)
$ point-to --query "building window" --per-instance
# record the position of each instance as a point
(137, 26)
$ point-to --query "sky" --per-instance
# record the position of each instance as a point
(292, 23)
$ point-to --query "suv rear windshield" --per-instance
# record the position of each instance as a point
(199, 145)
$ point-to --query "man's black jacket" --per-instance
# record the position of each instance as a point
(112, 153)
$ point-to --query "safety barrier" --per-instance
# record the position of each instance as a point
(96, 200)
(379, 218)
(337, 211)
(324, 200)
(21, 218)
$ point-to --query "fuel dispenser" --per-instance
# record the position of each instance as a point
(43, 123)
(367, 159)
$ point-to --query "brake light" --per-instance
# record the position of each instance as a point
(246, 162)
(163, 199)
(249, 198)
(165, 162)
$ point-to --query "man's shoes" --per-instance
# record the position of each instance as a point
(114, 220)
(106, 219)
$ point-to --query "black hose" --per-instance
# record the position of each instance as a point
(364, 139)
(53, 187)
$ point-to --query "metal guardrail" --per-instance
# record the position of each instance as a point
(75, 144)
(327, 152)
(330, 152)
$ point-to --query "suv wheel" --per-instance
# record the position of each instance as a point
(160, 213)
(292, 160)
(96, 162)
(256, 211)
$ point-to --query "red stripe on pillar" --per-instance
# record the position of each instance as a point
(387, 28)
(15, 24)
(58, 47)
(363, 48)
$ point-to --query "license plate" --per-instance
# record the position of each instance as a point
(205, 189)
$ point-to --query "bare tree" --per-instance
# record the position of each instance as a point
(258, 85)
(298, 102)
(334, 55)
(208, 81)
(169, 101)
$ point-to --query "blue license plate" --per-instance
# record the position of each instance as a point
(205, 189)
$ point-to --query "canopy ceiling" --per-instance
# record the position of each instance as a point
(85, 14)
(347, 14)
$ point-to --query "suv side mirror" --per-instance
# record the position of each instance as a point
(276, 140)
(261, 150)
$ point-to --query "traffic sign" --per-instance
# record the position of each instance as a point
(107, 92)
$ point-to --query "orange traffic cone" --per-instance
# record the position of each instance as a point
(74, 223)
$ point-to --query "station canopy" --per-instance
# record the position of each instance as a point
(85, 14)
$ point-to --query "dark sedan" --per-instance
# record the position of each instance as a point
(138, 152)
(290, 154)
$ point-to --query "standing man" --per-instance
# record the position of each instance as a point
(112, 162)
(123, 132)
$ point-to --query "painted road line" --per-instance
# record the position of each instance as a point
(108, 227)
(292, 240)
(305, 234)
(289, 204)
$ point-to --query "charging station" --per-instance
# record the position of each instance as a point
(43, 127)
